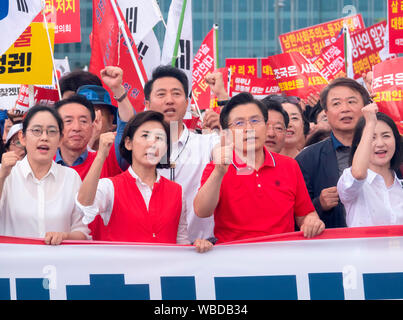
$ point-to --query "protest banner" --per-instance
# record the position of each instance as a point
(242, 66)
(110, 49)
(8, 95)
(330, 62)
(339, 264)
(29, 59)
(366, 45)
(15, 17)
(296, 75)
(387, 84)
(395, 26)
(258, 87)
(265, 69)
(66, 16)
(311, 40)
(204, 62)
(41, 95)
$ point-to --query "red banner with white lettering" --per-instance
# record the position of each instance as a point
(259, 87)
(331, 62)
(387, 84)
(108, 48)
(296, 75)
(395, 26)
(41, 95)
(204, 63)
(311, 40)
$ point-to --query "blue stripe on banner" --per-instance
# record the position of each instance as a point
(256, 288)
(178, 288)
(383, 285)
(32, 289)
(5, 289)
(108, 287)
(326, 286)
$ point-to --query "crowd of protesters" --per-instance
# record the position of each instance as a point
(85, 169)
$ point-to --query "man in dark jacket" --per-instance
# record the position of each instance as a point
(323, 163)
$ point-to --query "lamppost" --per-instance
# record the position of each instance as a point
(278, 4)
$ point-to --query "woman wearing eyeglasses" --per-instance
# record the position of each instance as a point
(36, 194)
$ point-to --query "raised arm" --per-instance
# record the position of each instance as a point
(207, 197)
(8, 161)
(362, 155)
(113, 78)
(88, 189)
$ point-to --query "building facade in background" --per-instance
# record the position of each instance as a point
(247, 28)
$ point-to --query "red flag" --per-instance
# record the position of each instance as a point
(296, 75)
(204, 63)
(387, 84)
(108, 48)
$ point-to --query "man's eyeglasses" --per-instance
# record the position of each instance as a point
(38, 131)
(241, 123)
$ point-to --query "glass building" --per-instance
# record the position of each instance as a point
(247, 28)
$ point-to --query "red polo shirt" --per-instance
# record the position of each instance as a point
(261, 203)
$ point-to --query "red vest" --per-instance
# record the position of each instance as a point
(130, 220)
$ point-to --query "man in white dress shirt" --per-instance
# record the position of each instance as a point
(167, 92)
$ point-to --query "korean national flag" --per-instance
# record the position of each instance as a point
(15, 17)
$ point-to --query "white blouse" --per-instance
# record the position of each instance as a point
(30, 207)
(369, 202)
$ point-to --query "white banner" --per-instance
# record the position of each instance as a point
(355, 268)
(8, 95)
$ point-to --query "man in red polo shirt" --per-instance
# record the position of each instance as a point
(251, 191)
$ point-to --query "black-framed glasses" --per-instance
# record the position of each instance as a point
(38, 131)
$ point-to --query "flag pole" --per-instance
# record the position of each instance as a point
(178, 35)
(125, 36)
(51, 51)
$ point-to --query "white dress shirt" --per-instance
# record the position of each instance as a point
(104, 198)
(191, 153)
(369, 202)
(30, 207)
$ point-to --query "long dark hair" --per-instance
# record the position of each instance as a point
(397, 156)
(131, 127)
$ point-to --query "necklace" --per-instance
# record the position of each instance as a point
(173, 163)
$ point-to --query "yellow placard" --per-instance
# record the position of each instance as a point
(28, 60)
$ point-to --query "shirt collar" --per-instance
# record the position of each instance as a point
(372, 175)
(135, 176)
(184, 136)
(78, 161)
(27, 170)
(268, 159)
(336, 143)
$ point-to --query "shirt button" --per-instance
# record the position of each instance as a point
(153, 235)
(257, 175)
(259, 185)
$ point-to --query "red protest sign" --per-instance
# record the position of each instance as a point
(266, 69)
(41, 95)
(311, 40)
(65, 14)
(259, 87)
(242, 66)
(204, 63)
(366, 45)
(331, 62)
(387, 84)
(395, 26)
(296, 75)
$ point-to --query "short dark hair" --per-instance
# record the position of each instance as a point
(344, 82)
(241, 98)
(75, 79)
(163, 72)
(42, 108)
(274, 105)
(80, 99)
(359, 128)
(131, 127)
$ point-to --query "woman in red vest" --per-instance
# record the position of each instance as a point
(138, 205)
